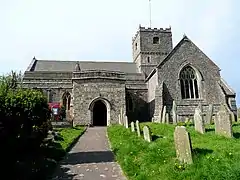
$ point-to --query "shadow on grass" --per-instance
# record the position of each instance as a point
(236, 125)
(155, 137)
(198, 152)
(209, 129)
(236, 135)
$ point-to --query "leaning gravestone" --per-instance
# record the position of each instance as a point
(126, 121)
(164, 114)
(198, 121)
(209, 114)
(223, 123)
(138, 128)
(167, 118)
(132, 127)
(147, 134)
(174, 112)
(183, 145)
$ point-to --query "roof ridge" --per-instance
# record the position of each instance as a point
(87, 61)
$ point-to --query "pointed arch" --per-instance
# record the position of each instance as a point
(66, 100)
(92, 106)
(190, 80)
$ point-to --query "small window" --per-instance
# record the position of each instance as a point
(135, 46)
(148, 59)
(155, 40)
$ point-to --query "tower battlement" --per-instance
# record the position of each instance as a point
(152, 30)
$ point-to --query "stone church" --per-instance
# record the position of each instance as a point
(98, 93)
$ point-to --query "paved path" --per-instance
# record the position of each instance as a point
(90, 159)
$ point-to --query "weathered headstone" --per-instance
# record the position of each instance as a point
(121, 115)
(126, 121)
(198, 121)
(183, 145)
(163, 114)
(119, 119)
(138, 128)
(223, 123)
(209, 114)
(132, 127)
(167, 118)
(147, 134)
(174, 112)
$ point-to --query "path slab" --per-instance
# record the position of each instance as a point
(90, 159)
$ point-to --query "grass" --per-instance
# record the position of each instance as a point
(215, 157)
(69, 135)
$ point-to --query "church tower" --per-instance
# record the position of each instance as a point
(150, 46)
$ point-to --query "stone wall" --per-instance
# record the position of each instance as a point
(186, 53)
(85, 91)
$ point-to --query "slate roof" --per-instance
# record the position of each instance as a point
(226, 88)
(68, 66)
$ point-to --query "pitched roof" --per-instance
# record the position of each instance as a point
(69, 66)
(184, 39)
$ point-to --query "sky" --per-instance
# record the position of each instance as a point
(103, 29)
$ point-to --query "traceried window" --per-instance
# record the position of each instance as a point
(189, 83)
(155, 40)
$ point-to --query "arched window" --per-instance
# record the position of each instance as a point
(189, 83)
(136, 46)
(66, 99)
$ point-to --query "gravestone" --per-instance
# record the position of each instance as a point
(138, 128)
(198, 121)
(167, 118)
(223, 123)
(164, 114)
(147, 134)
(121, 115)
(126, 121)
(183, 145)
(209, 114)
(132, 127)
(119, 119)
(174, 112)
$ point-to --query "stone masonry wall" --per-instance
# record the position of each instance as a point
(189, 54)
(85, 91)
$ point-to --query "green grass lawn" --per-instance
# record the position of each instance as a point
(69, 136)
(214, 157)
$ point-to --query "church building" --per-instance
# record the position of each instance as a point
(101, 93)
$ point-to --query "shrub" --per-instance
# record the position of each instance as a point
(24, 120)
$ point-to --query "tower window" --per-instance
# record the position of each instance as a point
(148, 59)
(155, 40)
(135, 46)
(189, 83)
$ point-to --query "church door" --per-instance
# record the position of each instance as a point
(99, 114)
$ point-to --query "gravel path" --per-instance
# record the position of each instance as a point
(90, 159)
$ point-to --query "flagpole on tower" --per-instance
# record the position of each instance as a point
(150, 13)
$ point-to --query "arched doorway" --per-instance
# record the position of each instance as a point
(99, 114)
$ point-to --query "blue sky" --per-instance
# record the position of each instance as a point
(102, 30)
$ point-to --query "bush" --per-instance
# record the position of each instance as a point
(24, 120)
